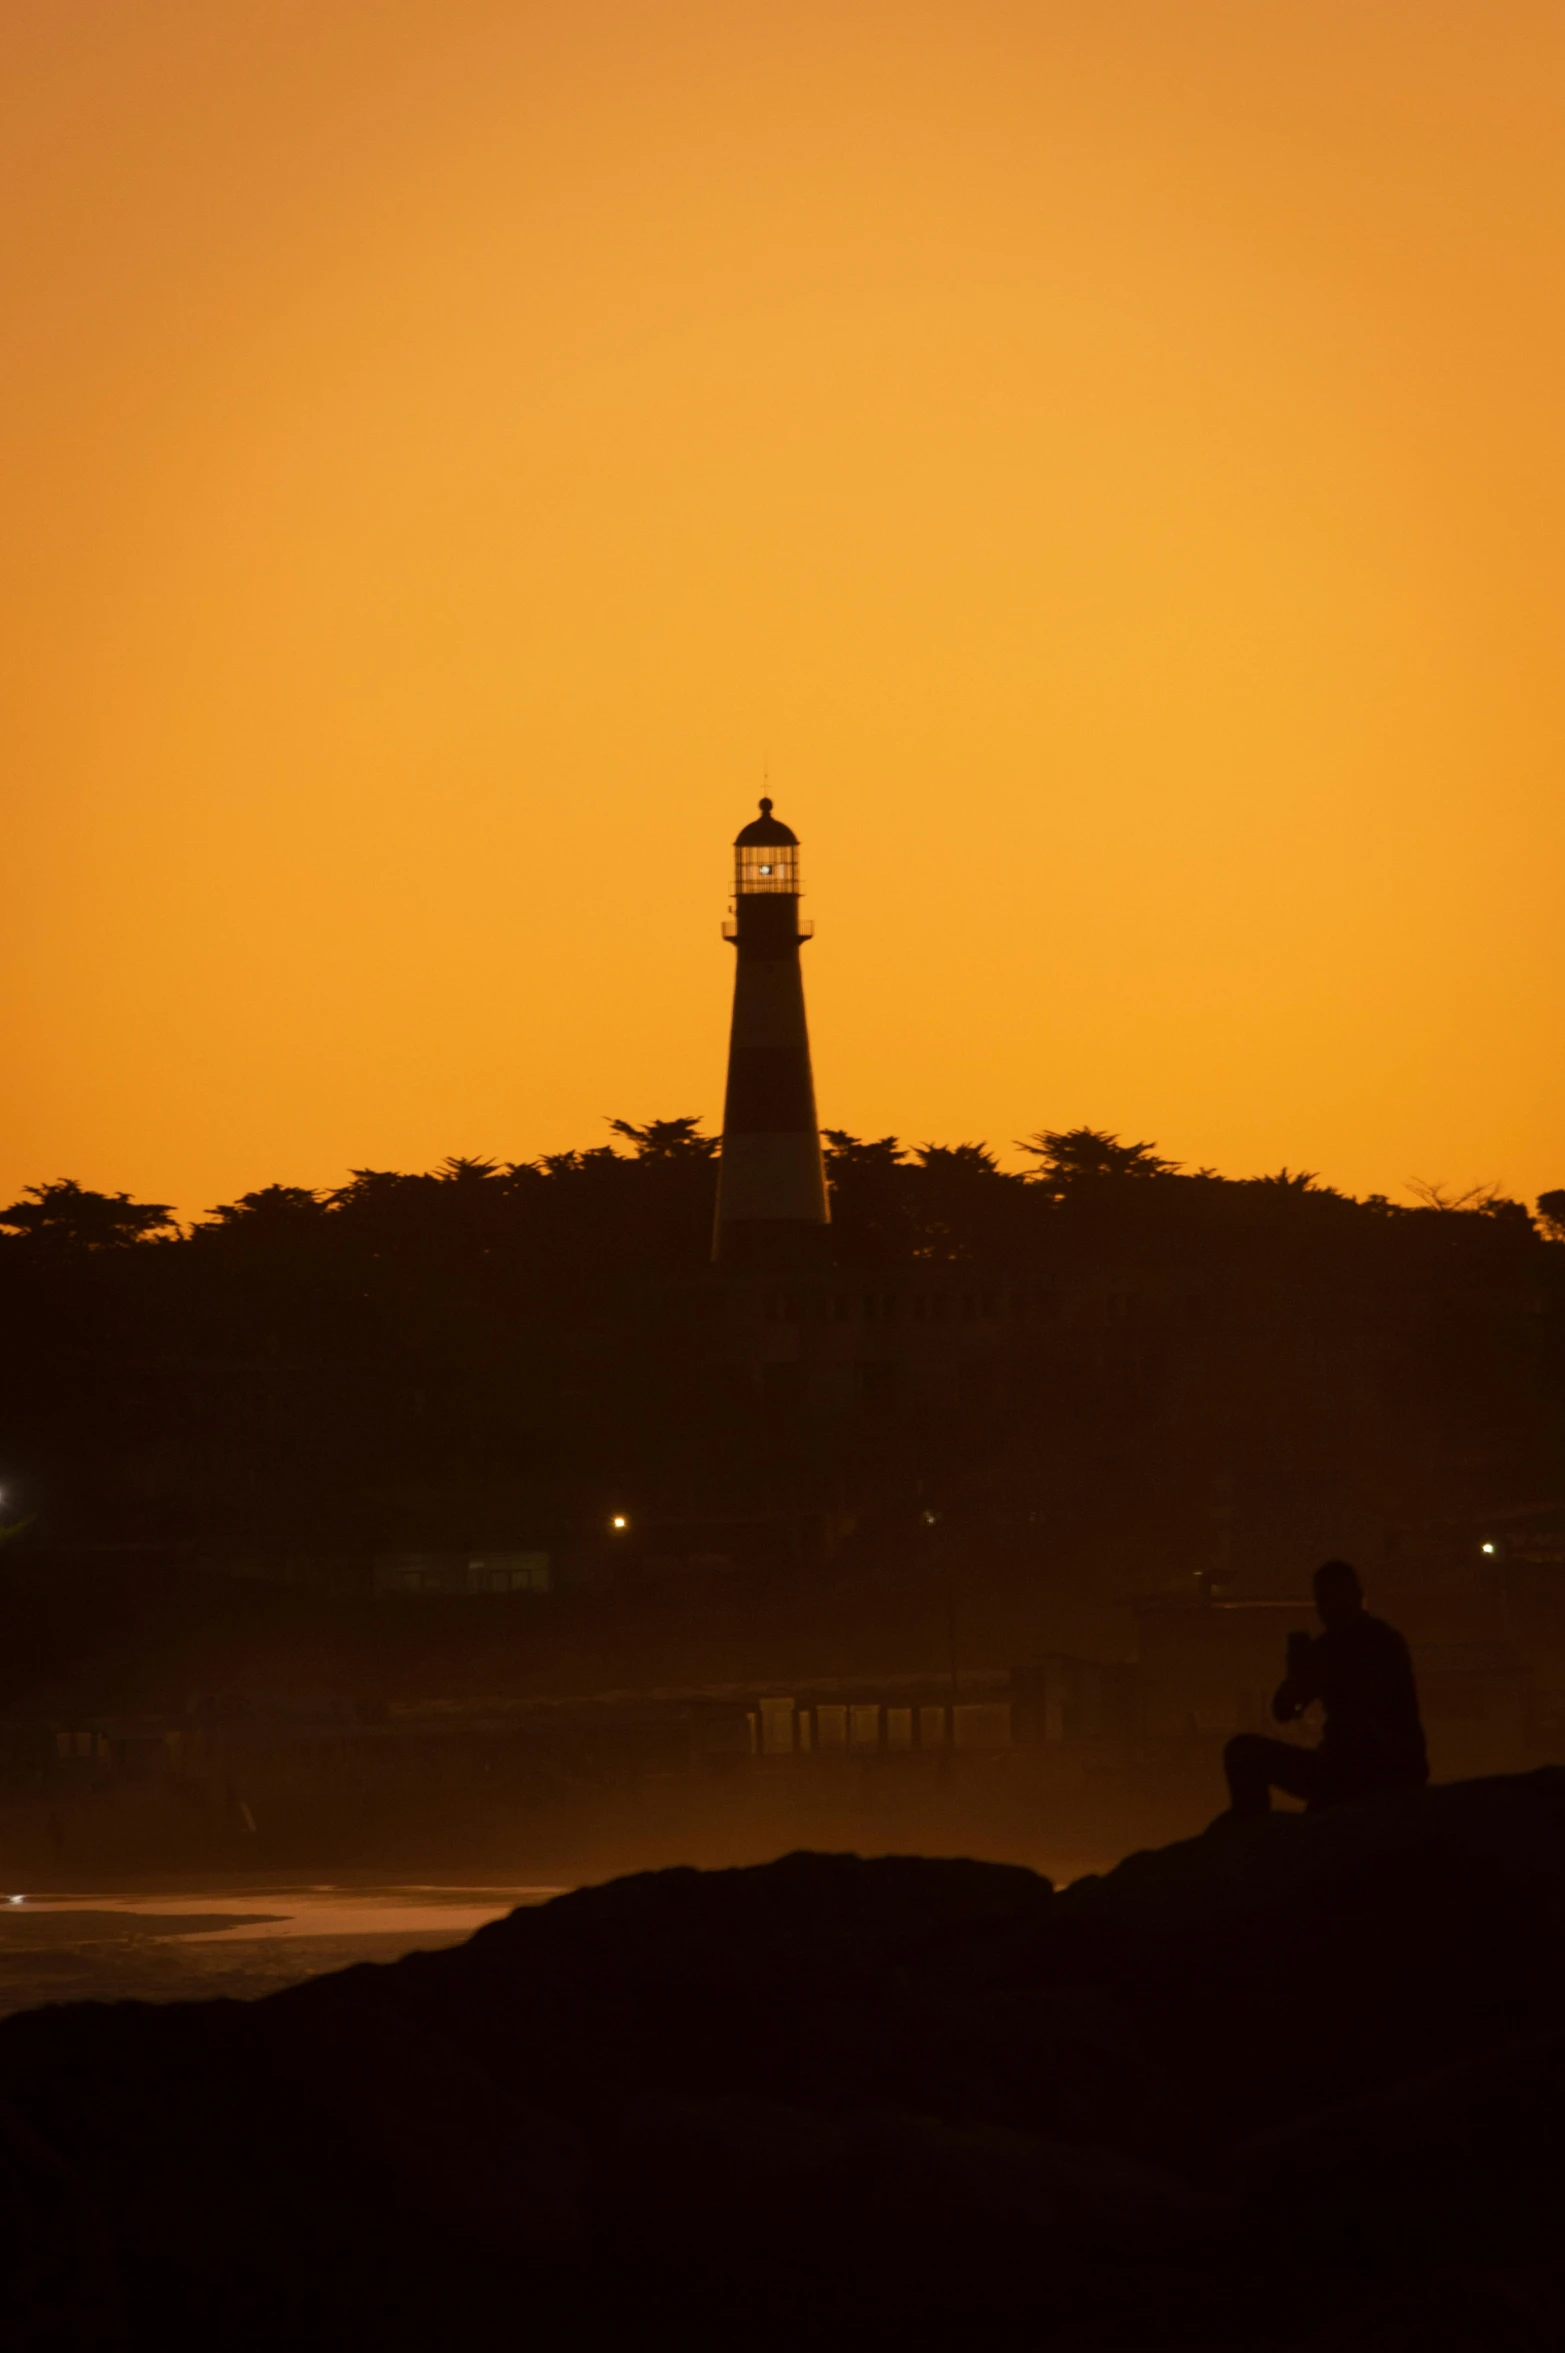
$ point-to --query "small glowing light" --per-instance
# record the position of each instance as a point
(16, 1899)
(619, 1521)
(1486, 1548)
(766, 870)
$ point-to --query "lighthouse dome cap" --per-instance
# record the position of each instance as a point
(766, 832)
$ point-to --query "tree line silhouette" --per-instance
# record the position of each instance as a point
(490, 1346)
(651, 1205)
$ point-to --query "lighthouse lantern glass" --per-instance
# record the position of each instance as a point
(766, 866)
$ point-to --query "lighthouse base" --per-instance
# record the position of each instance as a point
(773, 1245)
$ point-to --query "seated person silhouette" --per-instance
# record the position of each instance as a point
(1359, 1669)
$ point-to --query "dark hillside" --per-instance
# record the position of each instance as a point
(1291, 2085)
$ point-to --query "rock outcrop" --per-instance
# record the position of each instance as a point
(1295, 2083)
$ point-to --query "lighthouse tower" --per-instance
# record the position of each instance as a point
(771, 1185)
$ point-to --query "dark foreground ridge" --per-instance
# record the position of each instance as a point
(1294, 2083)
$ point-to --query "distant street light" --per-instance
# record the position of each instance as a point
(619, 1521)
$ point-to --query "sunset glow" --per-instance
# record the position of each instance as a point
(1101, 465)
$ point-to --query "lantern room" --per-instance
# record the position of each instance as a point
(766, 858)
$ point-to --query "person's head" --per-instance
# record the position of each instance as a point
(1338, 1594)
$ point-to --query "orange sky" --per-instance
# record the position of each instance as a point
(1109, 456)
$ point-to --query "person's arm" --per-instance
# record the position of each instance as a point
(1301, 1685)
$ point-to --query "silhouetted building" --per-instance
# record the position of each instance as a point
(771, 1191)
(923, 1335)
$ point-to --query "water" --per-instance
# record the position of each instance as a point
(235, 1939)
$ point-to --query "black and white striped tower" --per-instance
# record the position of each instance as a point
(771, 1184)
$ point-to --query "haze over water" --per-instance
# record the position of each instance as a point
(224, 1936)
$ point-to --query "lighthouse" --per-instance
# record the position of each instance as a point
(771, 1184)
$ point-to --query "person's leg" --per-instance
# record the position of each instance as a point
(1340, 1776)
(1255, 1766)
